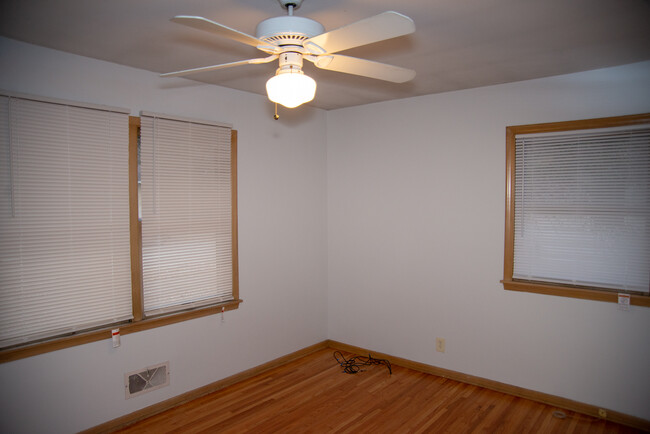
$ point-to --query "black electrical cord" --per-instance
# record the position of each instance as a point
(354, 364)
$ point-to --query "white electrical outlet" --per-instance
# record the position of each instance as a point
(440, 345)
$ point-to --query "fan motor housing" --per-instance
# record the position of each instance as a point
(288, 30)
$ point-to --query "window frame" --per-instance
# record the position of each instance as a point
(65, 222)
(161, 136)
(139, 321)
(563, 290)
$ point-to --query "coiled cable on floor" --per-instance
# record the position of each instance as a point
(354, 364)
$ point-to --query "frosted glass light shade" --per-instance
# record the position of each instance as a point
(291, 89)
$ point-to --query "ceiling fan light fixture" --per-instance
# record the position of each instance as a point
(289, 39)
(291, 87)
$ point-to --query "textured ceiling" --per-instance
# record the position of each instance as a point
(457, 44)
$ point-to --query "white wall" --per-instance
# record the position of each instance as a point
(415, 245)
(282, 250)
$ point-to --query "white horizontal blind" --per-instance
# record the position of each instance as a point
(186, 214)
(64, 219)
(582, 208)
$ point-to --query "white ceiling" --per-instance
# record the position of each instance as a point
(457, 44)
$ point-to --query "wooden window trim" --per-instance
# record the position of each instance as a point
(139, 322)
(581, 292)
(134, 222)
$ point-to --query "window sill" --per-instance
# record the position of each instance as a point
(584, 293)
(81, 338)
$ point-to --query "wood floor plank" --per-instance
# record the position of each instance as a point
(313, 395)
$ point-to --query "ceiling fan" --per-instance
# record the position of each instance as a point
(291, 39)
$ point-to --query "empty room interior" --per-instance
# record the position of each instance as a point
(394, 212)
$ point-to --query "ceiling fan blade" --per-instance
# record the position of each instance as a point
(207, 25)
(374, 29)
(221, 66)
(363, 67)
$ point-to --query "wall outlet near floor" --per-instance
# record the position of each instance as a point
(440, 345)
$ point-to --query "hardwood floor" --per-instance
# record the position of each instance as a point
(313, 395)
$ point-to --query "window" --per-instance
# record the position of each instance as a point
(64, 218)
(71, 241)
(578, 208)
(187, 222)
